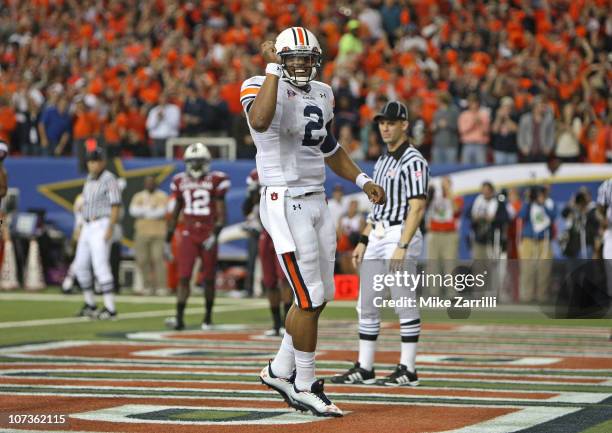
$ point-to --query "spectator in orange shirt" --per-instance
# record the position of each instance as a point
(86, 125)
(474, 126)
(8, 121)
(136, 128)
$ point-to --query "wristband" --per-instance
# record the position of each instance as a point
(274, 69)
(363, 239)
(362, 179)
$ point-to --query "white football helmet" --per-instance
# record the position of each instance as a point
(297, 42)
(197, 160)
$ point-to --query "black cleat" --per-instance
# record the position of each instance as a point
(400, 377)
(106, 314)
(355, 375)
(172, 323)
(88, 311)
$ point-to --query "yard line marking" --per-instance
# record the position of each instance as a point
(30, 373)
(166, 392)
(452, 401)
(128, 414)
(210, 369)
(516, 421)
(125, 316)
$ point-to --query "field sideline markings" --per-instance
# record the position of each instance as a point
(44, 358)
(128, 299)
(269, 399)
(254, 369)
(121, 414)
(523, 419)
(432, 356)
(163, 392)
(196, 377)
(125, 316)
(604, 380)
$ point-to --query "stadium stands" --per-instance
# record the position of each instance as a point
(105, 65)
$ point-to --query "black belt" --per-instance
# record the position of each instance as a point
(90, 220)
(390, 223)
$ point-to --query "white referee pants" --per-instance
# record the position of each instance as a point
(310, 269)
(607, 256)
(93, 252)
(375, 266)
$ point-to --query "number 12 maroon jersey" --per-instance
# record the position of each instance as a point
(197, 196)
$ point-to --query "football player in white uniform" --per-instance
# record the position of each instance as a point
(290, 115)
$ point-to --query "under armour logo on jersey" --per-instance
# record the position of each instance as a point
(323, 95)
(291, 93)
(274, 196)
(297, 206)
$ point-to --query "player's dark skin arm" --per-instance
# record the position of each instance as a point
(3, 182)
(345, 167)
(174, 220)
(263, 109)
(221, 215)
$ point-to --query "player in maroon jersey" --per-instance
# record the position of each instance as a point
(200, 195)
(273, 279)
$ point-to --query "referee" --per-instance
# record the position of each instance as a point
(100, 212)
(391, 241)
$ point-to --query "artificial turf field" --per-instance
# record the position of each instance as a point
(503, 370)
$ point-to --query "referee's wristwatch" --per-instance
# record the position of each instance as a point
(402, 246)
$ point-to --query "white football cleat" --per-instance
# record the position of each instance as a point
(68, 283)
(207, 326)
(284, 386)
(315, 400)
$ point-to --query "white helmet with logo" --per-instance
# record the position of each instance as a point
(297, 41)
(197, 160)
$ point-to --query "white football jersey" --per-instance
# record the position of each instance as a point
(291, 151)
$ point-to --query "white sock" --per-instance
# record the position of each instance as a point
(367, 349)
(89, 297)
(109, 301)
(305, 367)
(408, 355)
(284, 361)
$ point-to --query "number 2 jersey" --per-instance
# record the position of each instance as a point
(197, 196)
(291, 151)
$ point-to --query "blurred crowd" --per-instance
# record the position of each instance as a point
(515, 80)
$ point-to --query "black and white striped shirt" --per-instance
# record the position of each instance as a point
(99, 195)
(604, 198)
(404, 174)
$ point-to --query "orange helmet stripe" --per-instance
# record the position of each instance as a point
(300, 33)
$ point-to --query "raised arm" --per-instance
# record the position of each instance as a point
(263, 108)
